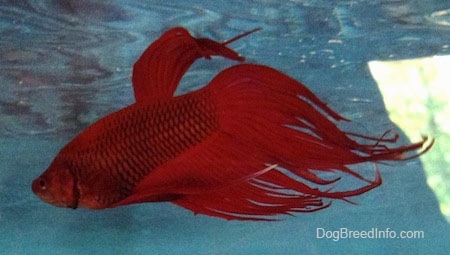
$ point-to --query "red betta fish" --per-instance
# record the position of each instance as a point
(252, 144)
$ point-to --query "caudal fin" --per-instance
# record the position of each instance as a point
(267, 118)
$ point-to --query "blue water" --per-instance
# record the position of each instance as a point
(64, 64)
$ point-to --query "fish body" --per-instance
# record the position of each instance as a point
(249, 146)
(118, 151)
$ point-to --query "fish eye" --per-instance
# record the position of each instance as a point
(42, 184)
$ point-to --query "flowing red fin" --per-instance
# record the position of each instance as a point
(285, 123)
(273, 109)
(246, 202)
(158, 71)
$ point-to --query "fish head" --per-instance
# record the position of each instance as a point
(57, 186)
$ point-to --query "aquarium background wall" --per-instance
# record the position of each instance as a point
(383, 64)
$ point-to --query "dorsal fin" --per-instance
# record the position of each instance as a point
(158, 71)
